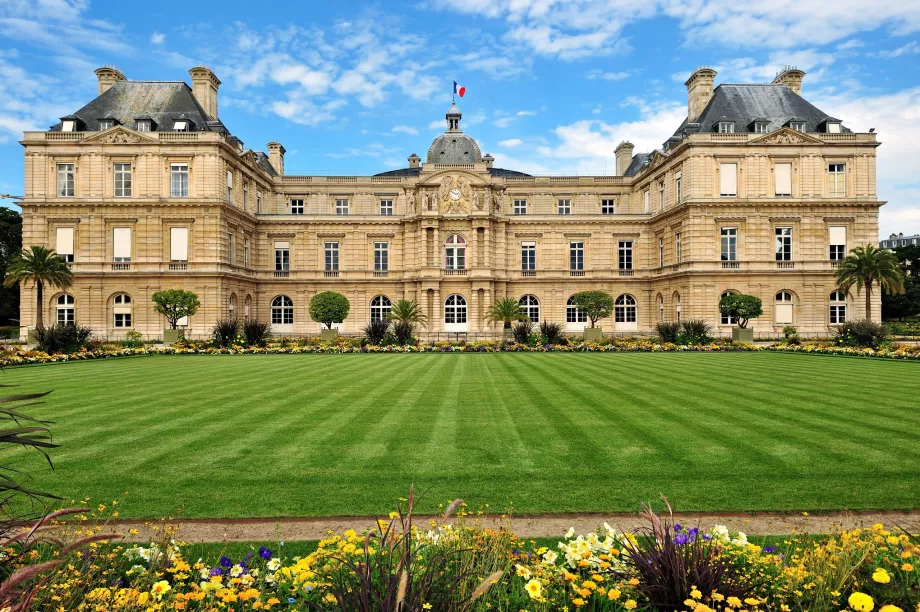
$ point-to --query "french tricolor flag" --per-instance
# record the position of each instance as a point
(459, 90)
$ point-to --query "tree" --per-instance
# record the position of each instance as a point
(869, 265)
(407, 312)
(10, 246)
(175, 304)
(505, 310)
(42, 266)
(906, 304)
(742, 308)
(329, 307)
(596, 305)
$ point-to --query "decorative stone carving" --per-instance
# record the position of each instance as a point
(786, 136)
(496, 201)
(119, 136)
(410, 202)
(477, 200)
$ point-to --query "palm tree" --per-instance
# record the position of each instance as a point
(42, 266)
(505, 310)
(867, 265)
(406, 311)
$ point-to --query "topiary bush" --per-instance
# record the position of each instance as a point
(861, 334)
(329, 307)
(742, 308)
(58, 338)
(667, 331)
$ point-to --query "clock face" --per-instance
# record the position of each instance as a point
(454, 194)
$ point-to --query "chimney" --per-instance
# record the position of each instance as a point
(791, 77)
(624, 153)
(414, 160)
(488, 159)
(699, 91)
(108, 76)
(276, 156)
(204, 86)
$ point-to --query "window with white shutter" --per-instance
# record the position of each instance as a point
(178, 244)
(728, 180)
(122, 244)
(64, 245)
(838, 242)
(783, 177)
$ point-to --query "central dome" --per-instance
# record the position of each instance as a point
(453, 146)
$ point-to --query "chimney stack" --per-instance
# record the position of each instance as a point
(276, 156)
(488, 159)
(699, 92)
(791, 77)
(624, 153)
(414, 160)
(204, 86)
(108, 76)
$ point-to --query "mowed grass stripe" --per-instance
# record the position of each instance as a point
(348, 434)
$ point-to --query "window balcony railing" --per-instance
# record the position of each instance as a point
(330, 274)
(785, 265)
(121, 267)
(627, 272)
(731, 265)
(576, 272)
(178, 267)
(282, 273)
(528, 273)
(835, 263)
(455, 271)
(381, 273)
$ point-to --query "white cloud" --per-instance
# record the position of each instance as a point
(853, 43)
(437, 124)
(510, 143)
(607, 76)
(157, 38)
(911, 48)
(405, 129)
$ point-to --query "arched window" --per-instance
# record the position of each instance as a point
(380, 308)
(838, 312)
(624, 312)
(724, 318)
(660, 308)
(455, 253)
(121, 309)
(65, 309)
(677, 307)
(455, 313)
(783, 309)
(530, 305)
(282, 311)
(247, 308)
(231, 305)
(573, 316)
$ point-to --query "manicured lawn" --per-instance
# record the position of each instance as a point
(305, 435)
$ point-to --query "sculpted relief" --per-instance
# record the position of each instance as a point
(456, 195)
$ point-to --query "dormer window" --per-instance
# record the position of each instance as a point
(833, 127)
(798, 126)
(181, 126)
(68, 125)
(143, 125)
(726, 127)
(761, 127)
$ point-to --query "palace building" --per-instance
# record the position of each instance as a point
(144, 188)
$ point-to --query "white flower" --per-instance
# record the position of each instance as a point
(550, 557)
(205, 573)
(569, 533)
(720, 533)
(274, 564)
(236, 571)
(740, 539)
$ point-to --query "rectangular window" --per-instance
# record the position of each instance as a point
(178, 181)
(660, 196)
(761, 127)
(677, 248)
(245, 252)
(230, 186)
(121, 244)
(230, 248)
(837, 179)
(798, 126)
(565, 207)
(258, 202)
(122, 180)
(782, 174)
(178, 244)
(576, 255)
(520, 207)
(783, 244)
(386, 208)
(726, 127)
(728, 180)
(143, 126)
(833, 128)
(381, 256)
(677, 191)
(838, 313)
(838, 242)
(341, 207)
(245, 195)
(661, 252)
(332, 256)
(729, 244)
(65, 180)
(106, 124)
(608, 207)
(180, 126)
(645, 201)
(625, 255)
(122, 319)
(282, 256)
(528, 256)
(64, 246)
(297, 207)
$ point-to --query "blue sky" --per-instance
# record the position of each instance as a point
(355, 87)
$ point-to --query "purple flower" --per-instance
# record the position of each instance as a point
(216, 571)
(265, 553)
(769, 549)
(677, 527)
(681, 539)
(226, 562)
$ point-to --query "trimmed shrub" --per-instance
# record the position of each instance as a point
(59, 338)
(667, 331)
(742, 308)
(255, 332)
(596, 305)
(694, 331)
(861, 334)
(521, 331)
(225, 331)
(329, 307)
(376, 331)
(552, 333)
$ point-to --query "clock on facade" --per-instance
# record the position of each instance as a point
(454, 194)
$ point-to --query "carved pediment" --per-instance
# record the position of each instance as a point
(786, 136)
(119, 135)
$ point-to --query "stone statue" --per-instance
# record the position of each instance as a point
(496, 202)
(477, 202)
(425, 204)
(410, 202)
(444, 190)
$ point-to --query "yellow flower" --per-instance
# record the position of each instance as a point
(630, 604)
(733, 602)
(534, 588)
(907, 567)
(695, 593)
(890, 608)
(426, 606)
(881, 576)
(613, 594)
(578, 602)
(861, 602)
(159, 589)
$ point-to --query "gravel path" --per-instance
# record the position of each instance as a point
(292, 529)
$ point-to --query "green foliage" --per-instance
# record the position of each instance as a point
(43, 267)
(328, 307)
(506, 311)
(552, 333)
(18, 430)
(522, 330)
(10, 245)
(402, 331)
(907, 304)
(791, 335)
(376, 331)
(225, 331)
(667, 331)
(596, 305)
(255, 332)
(175, 304)
(407, 311)
(867, 266)
(694, 331)
(861, 334)
(908, 328)
(57, 338)
(740, 307)
(133, 339)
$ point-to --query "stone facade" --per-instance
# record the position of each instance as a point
(241, 212)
